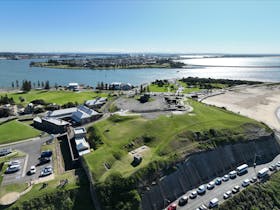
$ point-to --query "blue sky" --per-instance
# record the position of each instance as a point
(218, 26)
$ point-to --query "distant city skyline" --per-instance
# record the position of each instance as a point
(141, 26)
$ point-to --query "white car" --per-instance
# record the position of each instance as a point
(278, 164)
(201, 190)
(225, 178)
(13, 168)
(211, 185)
(47, 171)
(232, 174)
(14, 162)
(245, 183)
(193, 195)
(32, 170)
(227, 194)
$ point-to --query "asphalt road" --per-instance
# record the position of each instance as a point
(32, 149)
(218, 191)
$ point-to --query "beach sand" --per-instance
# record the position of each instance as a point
(257, 102)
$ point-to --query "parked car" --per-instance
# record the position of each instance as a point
(272, 167)
(183, 201)
(236, 189)
(32, 170)
(46, 171)
(218, 181)
(211, 185)
(5, 151)
(232, 174)
(253, 179)
(227, 194)
(12, 169)
(225, 178)
(193, 195)
(44, 160)
(246, 183)
(14, 162)
(47, 153)
(213, 203)
(173, 206)
(201, 190)
(278, 164)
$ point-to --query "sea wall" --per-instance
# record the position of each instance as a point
(202, 167)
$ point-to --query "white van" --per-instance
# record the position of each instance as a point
(262, 173)
(213, 203)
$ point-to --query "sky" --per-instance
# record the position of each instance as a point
(167, 26)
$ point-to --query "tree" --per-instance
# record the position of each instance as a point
(17, 84)
(38, 83)
(26, 85)
(34, 85)
(13, 85)
(47, 85)
(56, 86)
(42, 84)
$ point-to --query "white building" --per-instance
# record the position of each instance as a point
(73, 86)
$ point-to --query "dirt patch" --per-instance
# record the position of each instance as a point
(9, 198)
(139, 151)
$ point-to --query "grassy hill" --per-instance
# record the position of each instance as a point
(166, 136)
(169, 138)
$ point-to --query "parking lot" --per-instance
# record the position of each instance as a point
(32, 149)
(219, 191)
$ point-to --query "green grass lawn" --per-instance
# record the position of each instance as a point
(169, 137)
(164, 88)
(50, 196)
(13, 131)
(59, 97)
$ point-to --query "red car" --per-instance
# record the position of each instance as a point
(173, 206)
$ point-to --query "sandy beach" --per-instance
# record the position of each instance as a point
(260, 102)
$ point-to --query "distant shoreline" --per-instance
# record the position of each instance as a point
(160, 66)
(205, 66)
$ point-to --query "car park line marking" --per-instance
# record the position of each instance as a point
(25, 165)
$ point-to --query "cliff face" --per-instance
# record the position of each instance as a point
(204, 166)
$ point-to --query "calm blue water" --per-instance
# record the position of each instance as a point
(11, 70)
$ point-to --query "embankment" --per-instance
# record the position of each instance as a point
(202, 167)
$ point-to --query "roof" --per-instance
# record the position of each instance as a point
(73, 84)
(84, 152)
(79, 131)
(83, 113)
(62, 112)
(81, 144)
(96, 101)
(55, 121)
(37, 119)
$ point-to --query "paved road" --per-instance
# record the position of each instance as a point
(218, 191)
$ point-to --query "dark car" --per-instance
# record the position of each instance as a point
(218, 181)
(235, 189)
(253, 179)
(44, 160)
(272, 167)
(47, 153)
(183, 201)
